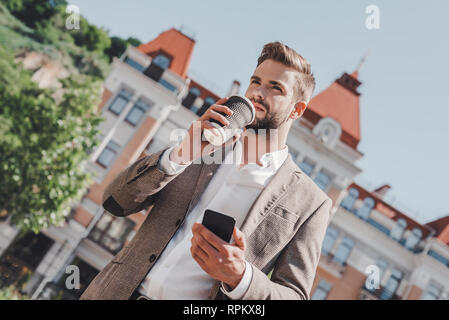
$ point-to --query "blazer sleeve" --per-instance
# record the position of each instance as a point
(136, 187)
(295, 268)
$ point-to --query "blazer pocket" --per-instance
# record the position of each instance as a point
(285, 213)
(123, 253)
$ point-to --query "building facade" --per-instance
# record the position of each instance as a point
(148, 100)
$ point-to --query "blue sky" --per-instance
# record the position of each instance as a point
(405, 92)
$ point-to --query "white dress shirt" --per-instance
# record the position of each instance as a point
(176, 275)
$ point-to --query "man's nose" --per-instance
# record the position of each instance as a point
(259, 93)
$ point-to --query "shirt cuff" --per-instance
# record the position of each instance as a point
(243, 285)
(170, 167)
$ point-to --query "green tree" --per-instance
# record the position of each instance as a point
(89, 36)
(118, 46)
(32, 12)
(44, 143)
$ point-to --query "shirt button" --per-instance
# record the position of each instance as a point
(178, 222)
(152, 258)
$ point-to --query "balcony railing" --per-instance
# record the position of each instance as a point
(417, 249)
(327, 262)
(378, 294)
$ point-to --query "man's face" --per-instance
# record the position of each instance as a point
(271, 90)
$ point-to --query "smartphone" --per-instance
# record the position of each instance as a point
(220, 224)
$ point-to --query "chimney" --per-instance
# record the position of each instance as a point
(235, 88)
(382, 190)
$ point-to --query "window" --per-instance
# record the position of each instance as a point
(438, 257)
(432, 293)
(398, 229)
(321, 291)
(157, 67)
(392, 285)
(329, 240)
(383, 265)
(207, 103)
(162, 61)
(134, 64)
(322, 180)
(378, 226)
(413, 239)
(190, 99)
(349, 200)
(137, 112)
(108, 155)
(307, 166)
(86, 274)
(168, 85)
(110, 232)
(195, 91)
(365, 209)
(120, 101)
(343, 251)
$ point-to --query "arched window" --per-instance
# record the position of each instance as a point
(398, 229)
(162, 61)
(209, 100)
(307, 166)
(323, 180)
(190, 99)
(348, 201)
(343, 250)
(365, 209)
(413, 238)
(207, 103)
(392, 284)
(195, 91)
(329, 240)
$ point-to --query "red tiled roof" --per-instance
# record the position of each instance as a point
(204, 92)
(174, 44)
(389, 211)
(441, 227)
(341, 104)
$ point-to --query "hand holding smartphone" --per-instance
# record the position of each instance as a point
(220, 224)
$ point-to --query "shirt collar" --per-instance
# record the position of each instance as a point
(270, 160)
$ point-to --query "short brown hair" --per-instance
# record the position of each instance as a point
(280, 52)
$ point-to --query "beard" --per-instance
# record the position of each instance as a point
(271, 120)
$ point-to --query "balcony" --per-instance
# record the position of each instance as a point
(385, 231)
(111, 232)
(378, 294)
(327, 263)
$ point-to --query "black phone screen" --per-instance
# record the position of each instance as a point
(220, 224)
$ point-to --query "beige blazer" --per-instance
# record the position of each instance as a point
(284, 228)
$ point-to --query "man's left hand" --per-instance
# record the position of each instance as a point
(221, 260)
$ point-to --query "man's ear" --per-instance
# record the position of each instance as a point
(300, 107)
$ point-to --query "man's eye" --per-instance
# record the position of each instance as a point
(277, 88)
(255, 81)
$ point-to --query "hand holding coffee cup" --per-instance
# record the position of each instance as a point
(222, 120)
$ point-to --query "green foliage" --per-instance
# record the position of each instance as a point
(45, 135)
(31, 12)
(11, 293)
(91, 37)
(43, 146)
(119, 45)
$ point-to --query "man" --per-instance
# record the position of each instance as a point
(281, 215)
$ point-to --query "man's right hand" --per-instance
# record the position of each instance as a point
(185, 153)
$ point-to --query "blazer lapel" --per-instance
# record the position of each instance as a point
(286, 176)
(207, 172)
